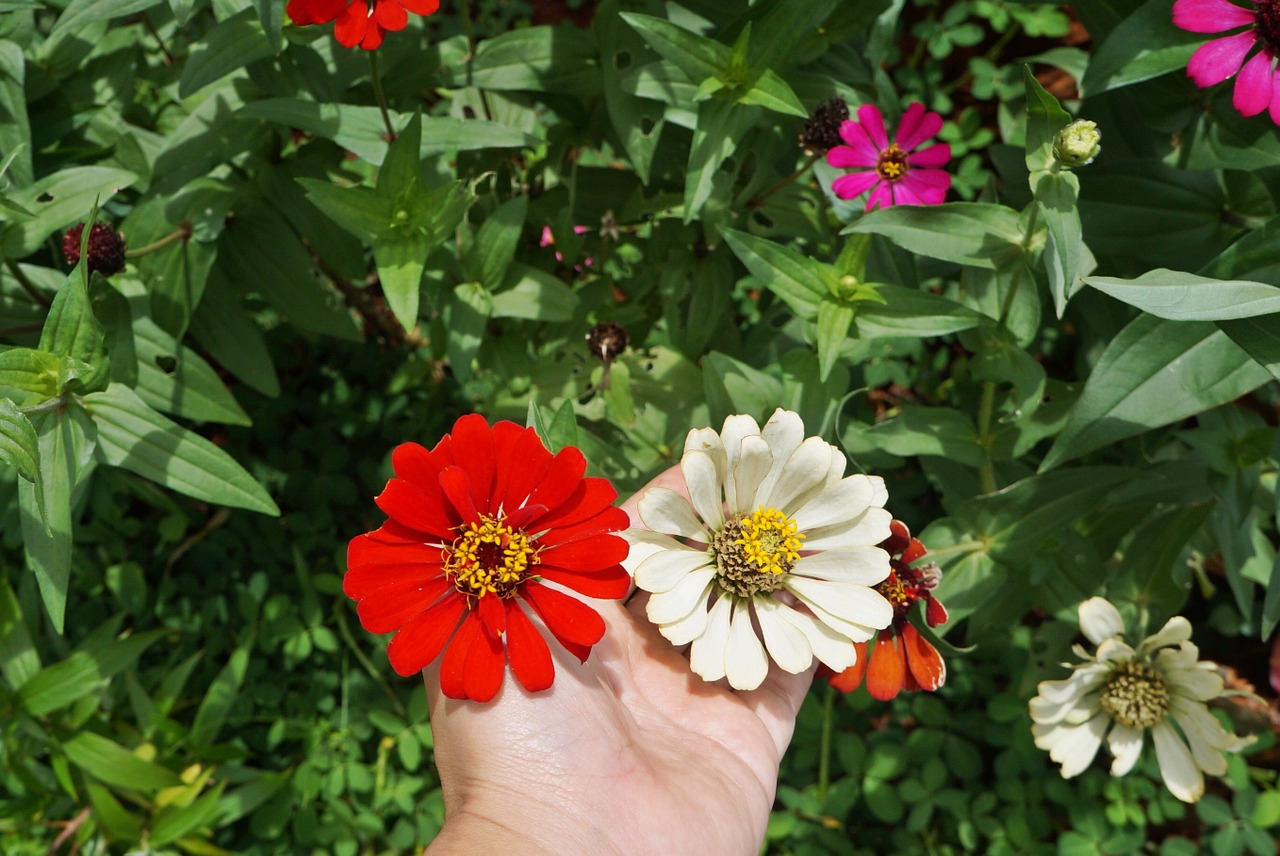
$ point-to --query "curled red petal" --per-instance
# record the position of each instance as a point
(887, 669)
(899, 538)
(934, 612)
(420, 640)
(472, 438)
(924, 661)
(453, 669)
(456, 484)
(590, 554)
(607, 584)
(913, 551)
(566, 617)
(851, 678)
(527, 651)
(485, 664)
(390, 607)
(561, 480)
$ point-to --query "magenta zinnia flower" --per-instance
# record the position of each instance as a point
(894, 172)
(1257, 80)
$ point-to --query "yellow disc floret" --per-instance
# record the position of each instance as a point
(489, 557)
(891, 165)
(770, 540)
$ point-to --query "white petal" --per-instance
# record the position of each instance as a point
(663, 571)
(704, 440)
(881, 492)
(784, 432)
(1071, 710)
(1175, 630)
(704, 487)
(1125, 743)
(1074, 747)
(1199, 684)
(835, 470)
(1114, 650)
(645, 543)
(1204, 734)
(682, 631)
(736, 429)
(858, 565)
(1178, 769)
(745, 663)
(870, 527)
(706, 655)
(832, 649)
(1082, 681)
(754, 460)
(664, 510)
(673, 605)
(800, 479)
(853, 603)
(1100, 620)
(839, 503)
(787, 645)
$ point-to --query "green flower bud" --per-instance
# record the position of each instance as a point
(1078, 143)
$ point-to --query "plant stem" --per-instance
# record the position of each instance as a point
(345, 632)
(27, 285)
(824, 747)
(465, 8)
(180, 234)
(380, 95)
(804, 167)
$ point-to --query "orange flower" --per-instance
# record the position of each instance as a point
(902, 659)
(358, 22)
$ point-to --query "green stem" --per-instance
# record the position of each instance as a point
(824, 748)
(44, 407)
(804, 167)
(181, 234)
(467, 25)
(380, 95)
(27, 285)
(345, 632)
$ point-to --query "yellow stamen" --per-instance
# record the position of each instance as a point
(489, 557)
(770, 540)
(892, 163)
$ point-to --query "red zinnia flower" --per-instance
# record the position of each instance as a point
(483, 526)
(358, 22)
(902, 658)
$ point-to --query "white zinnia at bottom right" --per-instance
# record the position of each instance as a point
(1161, 686)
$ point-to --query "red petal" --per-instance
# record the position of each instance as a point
(420, 7)
(927, 666)
(413, 506)
(527, 651)
(851, 678)
(590, 554)
(372, 37)
(934, 612)
(608, 584)
(413, 463)
(505, 436)
(361, 581)
(472, 438)
(591, 497)
(368, 549)
(422, 638)
(391, 16)
(899, 538)
(913, 551)
(521, 469)
(561, 480)
(612, 519)
(456, 484)
(566, 617)
(350, 27)
(454, 668)
(886, 670)
(393, 532)
(485, 665)
(490, 608)
(390, 607)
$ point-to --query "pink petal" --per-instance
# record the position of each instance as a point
(1215, 61)
(903, 194)
(854, 184)
(854, 134)
(1210, 16)
(917, 126)
(844, 157)
(1253, 87)
(935, 155)
(929, 185)
(881, 197)
(872, 122)
(1275, 98)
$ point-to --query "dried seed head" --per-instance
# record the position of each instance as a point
(607, 340)
(822, 131)
(106, 248)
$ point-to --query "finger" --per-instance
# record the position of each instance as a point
(777, 702)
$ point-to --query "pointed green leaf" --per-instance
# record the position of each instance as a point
(174, 379)
(212, 714)
(111, 763)
(1154, 373)
(721, 125)
(1180, 296)
(175, 822)
(1144, 45)
(28, 375)
(495, 243)
(401, 260)
(536, 295)
(226, 331)
(908, 312)
(697, 56)
(638, 122)
(15, 130)
(967, 233)
(794, 278)
(19, 661)
(72, 330)
(834, 320)
(19, 446)
(58, 200)
(731, 386)
(133, 436)
(468, 313)
(1045, 117)
(229, 46)
(360, 210)
(1064, 250)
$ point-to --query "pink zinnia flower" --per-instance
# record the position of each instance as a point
(1257, 80)
(894, 172)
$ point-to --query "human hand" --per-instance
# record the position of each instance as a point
(629, 752)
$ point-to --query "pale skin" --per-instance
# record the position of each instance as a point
(628, 753)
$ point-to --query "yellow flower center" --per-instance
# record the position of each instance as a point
(894, 591)
(754, 552)
(1136, 695)
(892, 163)
(489, 557)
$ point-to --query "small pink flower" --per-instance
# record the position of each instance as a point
(1257, 85)
(894, 172)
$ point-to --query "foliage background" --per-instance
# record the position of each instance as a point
(178, 676)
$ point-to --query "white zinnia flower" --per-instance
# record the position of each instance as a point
(771, 513)
(1129, 691)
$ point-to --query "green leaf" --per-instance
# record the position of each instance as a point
(794, 278)
(29, 375)
(177, 281)
(73, 331)
(1260, 339)
(495, 243)
(908, 312)
(230, 335)
(967, 233)
(171, 824)
(537, 59)
(697, 56)
(1144, 45)
(558, 433)
(79, 13)
(638, 122)
(721, 125)
(239, 802)
(19, 660)
(1056, 194)
(19, 446)
(111, 763)
(220, 698)
(187, 386)
(536, 295)
(1045, 117)
(59, 200)
(469, 311)
(231, 45)
(15, 130)
(731, 386)
(834, 320)
(1154, 373)
(362, 211)
(133, 436)
(940, 431)
(85, 671)
(1146, 576)
(1180, 296)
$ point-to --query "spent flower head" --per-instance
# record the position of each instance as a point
(772, 535)
(821, 131)
(106, 250)
(1121, 693)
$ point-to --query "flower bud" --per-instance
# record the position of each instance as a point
(1078, 143)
